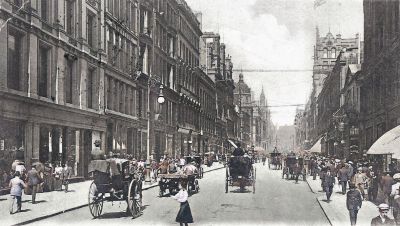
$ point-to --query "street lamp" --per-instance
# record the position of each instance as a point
(161, 98)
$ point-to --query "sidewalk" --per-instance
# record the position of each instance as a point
(336, 210)
(57, 202)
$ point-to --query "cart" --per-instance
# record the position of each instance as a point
(275, 160)
(170, 182)
(240, 172)
(291, 169)
(115, 180)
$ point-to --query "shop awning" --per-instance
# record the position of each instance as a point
(317, 147)
(388, 143)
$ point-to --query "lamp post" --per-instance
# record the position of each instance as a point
(161, 99)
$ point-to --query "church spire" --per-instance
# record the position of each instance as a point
(262, 97)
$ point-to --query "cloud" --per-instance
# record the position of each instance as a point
(277, 34)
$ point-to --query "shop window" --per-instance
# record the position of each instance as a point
(14, 59)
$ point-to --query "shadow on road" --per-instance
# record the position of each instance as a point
(40, 201)
(114, 215)
(238, 191)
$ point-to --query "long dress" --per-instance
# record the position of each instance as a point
(185, 214)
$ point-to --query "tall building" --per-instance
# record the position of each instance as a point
(218, 66)
(380, 89)
(78, 71)
(326, 51)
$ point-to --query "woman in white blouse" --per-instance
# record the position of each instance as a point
(185, 214)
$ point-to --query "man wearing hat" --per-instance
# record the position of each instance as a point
(382, 219)
(353, 203)
(343, 177)
(386, 186)
(360, 179)
(328, 182)
(396, 196)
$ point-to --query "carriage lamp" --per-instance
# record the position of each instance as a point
(161, 98)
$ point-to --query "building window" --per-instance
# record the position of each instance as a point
(91, 29)
(14, 61)
(333, 53)
(44, 9)
(325, 53)
(69, 16)
(89, 87)
(69, 81)
(43, 70)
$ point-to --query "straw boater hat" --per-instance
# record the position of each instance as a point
(396, 176)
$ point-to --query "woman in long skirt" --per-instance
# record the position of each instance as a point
(185, 214)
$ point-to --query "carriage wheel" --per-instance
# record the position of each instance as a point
(196, 186)
(135, 198)
(95, 201)
(255, 170)
(201, 172)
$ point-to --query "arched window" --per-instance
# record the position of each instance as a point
(333, 53)
(325, 53)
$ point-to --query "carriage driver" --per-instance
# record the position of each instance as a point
(238, 151)
(190, 170)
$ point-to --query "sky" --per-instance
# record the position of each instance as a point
(278, 34)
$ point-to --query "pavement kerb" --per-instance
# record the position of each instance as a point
(323, 210)
(308, 183)
(84, 205)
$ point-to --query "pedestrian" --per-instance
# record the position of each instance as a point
(33, 182)
(182, 162)
(383, 219)
(353, 203)
(329, 181)
(395, 195)
(343, 177)
(297, 172)
(386, 186)
(373, 186)
(360, 179)
(16, 186)
(184, 216)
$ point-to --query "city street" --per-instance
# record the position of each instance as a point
(276, 202)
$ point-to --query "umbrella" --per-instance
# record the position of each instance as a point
(233, 144)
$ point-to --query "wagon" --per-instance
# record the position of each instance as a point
(114, 180)
(291, 170)
(275, 160)
(170, 182)
(240, 172)
(198, 163)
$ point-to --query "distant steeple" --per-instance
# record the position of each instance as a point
(262, 97)
(241, 77)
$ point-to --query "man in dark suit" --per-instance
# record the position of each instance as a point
(353, 203)
(33, 181)
(343, 177)
(383, 219)
(386, 186)
(328, 182)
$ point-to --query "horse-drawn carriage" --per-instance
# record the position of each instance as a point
(171, 182)
(275, 160)
(294, 167)
(240, 172)
(198, 163)
(115, 180)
